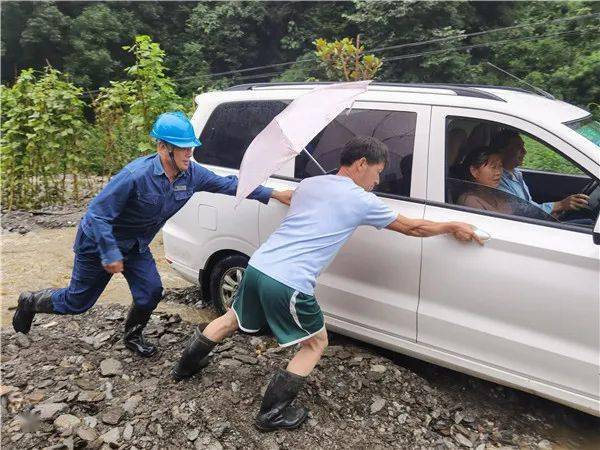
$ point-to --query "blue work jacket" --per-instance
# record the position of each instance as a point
(137, 201)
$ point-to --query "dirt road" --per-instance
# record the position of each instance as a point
(44, 258)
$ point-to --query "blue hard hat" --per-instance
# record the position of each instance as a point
(175, 128)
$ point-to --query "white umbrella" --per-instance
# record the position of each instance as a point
(291, 130)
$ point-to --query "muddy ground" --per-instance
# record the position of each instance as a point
(70, 383)
(38, 254)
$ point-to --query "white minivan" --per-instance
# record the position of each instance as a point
(523, 310)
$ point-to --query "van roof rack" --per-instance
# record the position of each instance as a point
(458, 89)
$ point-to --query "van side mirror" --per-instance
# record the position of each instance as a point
(596, 232)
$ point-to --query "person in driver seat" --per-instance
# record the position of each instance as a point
(510, 144)
(484, 167)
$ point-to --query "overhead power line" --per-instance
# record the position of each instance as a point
(465, 47)
(398, 57)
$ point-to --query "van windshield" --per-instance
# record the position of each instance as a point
(588, 128)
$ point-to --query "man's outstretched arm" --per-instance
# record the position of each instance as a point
(211, 182)
(426, 228)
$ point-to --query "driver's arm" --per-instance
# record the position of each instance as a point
(571, 203)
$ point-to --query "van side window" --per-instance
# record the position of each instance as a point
(230, 130)
(493, 167)
(394, 128)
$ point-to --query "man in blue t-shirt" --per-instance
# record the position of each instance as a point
(278, 286)
(512, 147)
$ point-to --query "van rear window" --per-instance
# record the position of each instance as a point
(231, 128)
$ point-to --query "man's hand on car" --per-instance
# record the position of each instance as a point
(115, 267)
(284, 197)
(464, 232)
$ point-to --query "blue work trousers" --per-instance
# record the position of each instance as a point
(89, 278)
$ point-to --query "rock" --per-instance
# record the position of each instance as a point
(10, 349)
(67, 422)
(167, 339)
(7, 389)
(90, 396)
(462, 440)
(246, 359)
(66, 444)
(193, 434)
(90, 421)
(47, 411)
(229, 363)
(207, 443)
(59, 397)
(112, 416)
(402, 418)
(544, 444)
(128, 432)
(22, 340)
(132, 403)
(377, 405)
(219, 428)
(111, 436)
(87, 434)
(378, 368)
(343, 354)
(458, 417)
(111, 367)
(101, 338)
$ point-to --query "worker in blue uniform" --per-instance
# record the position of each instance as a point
(120, 223)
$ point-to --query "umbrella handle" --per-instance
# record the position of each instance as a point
(315, 161)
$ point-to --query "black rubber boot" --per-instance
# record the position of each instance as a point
(276, 410)
(194, 357)
(133, 338)
(29, 304)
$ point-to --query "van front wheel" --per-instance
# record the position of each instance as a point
(225, 279)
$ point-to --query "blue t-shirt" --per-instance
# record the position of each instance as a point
(324, 213)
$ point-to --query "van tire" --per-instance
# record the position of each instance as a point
(228, 269)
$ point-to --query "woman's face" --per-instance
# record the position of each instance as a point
(488, 174)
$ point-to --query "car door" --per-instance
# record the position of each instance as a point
(525, 306)
(374, 280)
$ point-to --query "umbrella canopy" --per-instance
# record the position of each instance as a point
(291, 130)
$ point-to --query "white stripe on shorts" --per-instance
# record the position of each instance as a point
(294, 313)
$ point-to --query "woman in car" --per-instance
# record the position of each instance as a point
(483, 166)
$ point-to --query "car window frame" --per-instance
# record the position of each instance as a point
(420, 153)
(437, 163)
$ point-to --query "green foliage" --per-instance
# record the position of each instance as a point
(45, 136)
(126, 109)
(42, 127)
(184, 44)
(95, 38)
(345, 61)
(540, 157)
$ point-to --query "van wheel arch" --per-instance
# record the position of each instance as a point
(205, 275)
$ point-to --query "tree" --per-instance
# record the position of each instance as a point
(43, 39)
(95, 39)
(345, 61)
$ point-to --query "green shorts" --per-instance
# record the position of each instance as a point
(291, 315)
